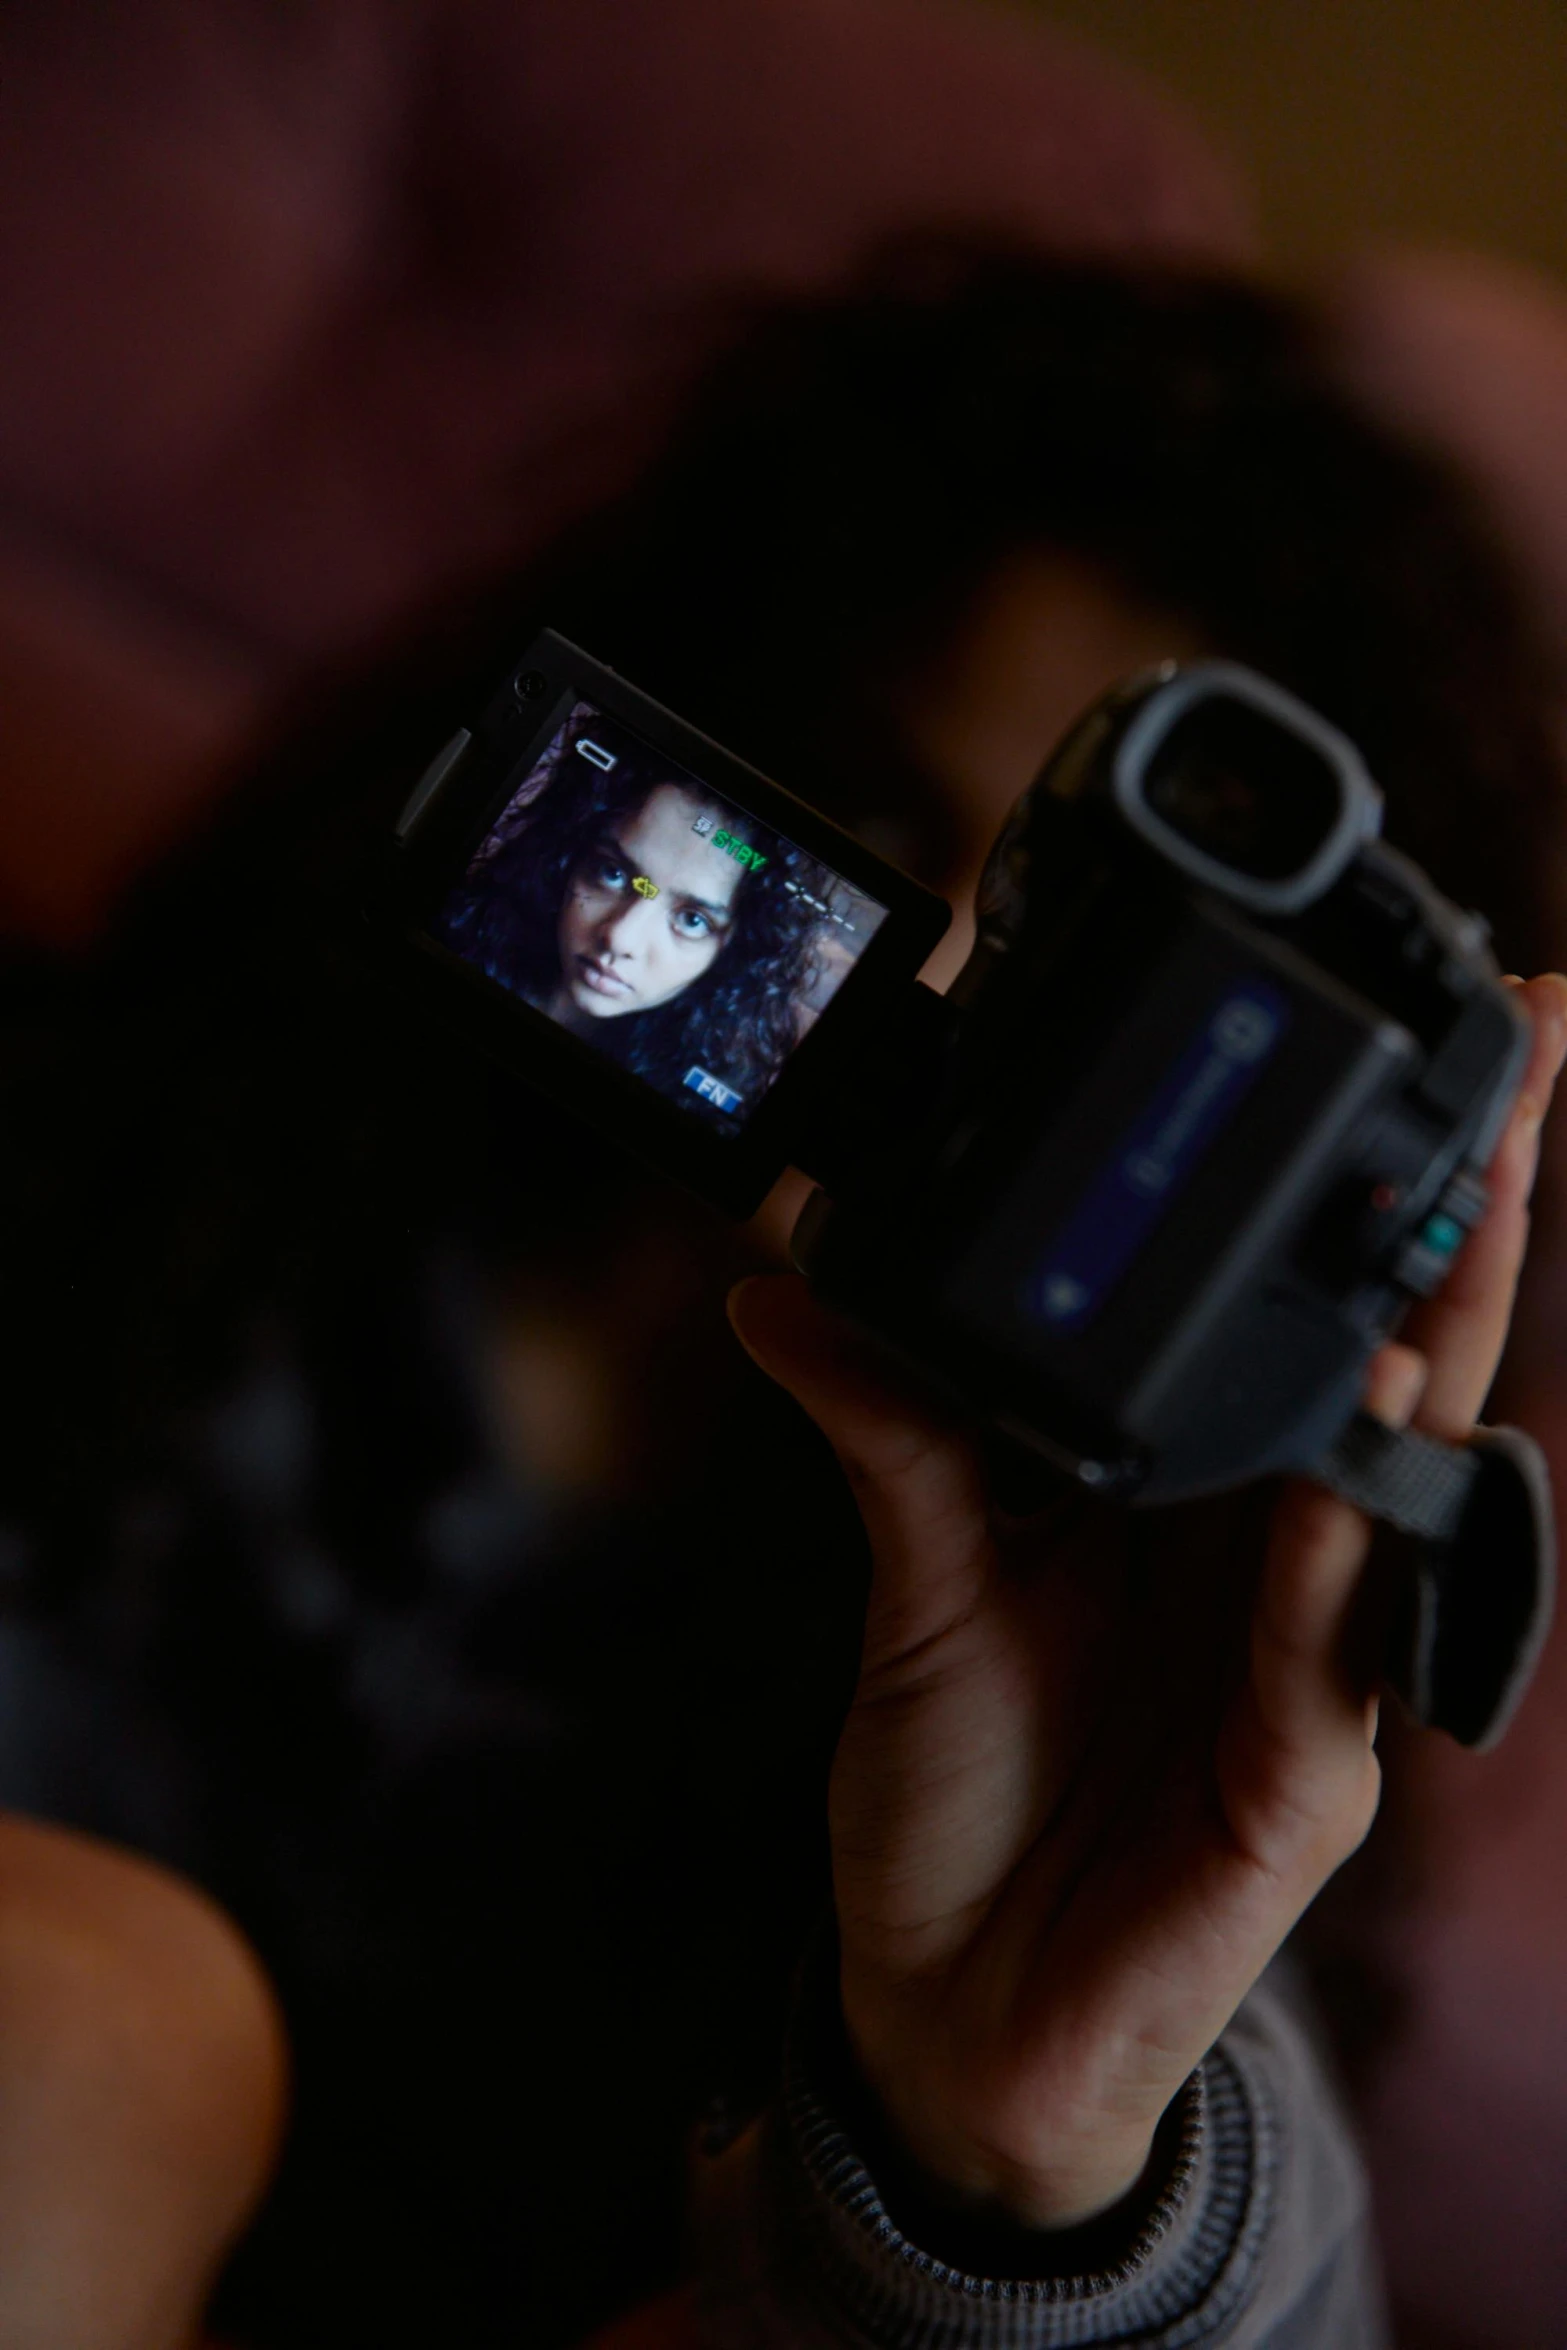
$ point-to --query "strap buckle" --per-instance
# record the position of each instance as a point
(1479, 1588)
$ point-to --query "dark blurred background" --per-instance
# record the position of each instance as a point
(1363, 119)
(348, 1549)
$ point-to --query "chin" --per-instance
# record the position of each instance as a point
(597, 1007)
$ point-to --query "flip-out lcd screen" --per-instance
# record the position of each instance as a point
(655, 920)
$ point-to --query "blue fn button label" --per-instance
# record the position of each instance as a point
(714, 1090)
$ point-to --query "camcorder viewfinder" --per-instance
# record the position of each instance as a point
(1209, 1105)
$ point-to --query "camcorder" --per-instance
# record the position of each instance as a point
(1209, 1105)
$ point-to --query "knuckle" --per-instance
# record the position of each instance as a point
(1351, 1820)
(1318, 1821)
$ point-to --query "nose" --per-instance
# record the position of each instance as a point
(621, 929)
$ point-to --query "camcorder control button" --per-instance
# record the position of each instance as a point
(1423, 1264)
(1466, 1200)
(1422, 1270)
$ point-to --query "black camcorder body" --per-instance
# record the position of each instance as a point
(1211, 1101)
(1209, 1104)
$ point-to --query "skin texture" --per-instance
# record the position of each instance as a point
(1097, 1766)
(142, 2091)
(622, 950)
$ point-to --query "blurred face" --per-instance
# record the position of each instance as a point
(1045, 636)
(1042, 638)
(648, 909)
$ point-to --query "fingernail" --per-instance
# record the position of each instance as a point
(1547, 1001)
(1554, 1008)
(1396, 1383)
(743, 1293)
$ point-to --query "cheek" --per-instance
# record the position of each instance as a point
(577, 914)
(697, 956)
(674, 963)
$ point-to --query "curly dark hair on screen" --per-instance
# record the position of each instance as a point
(738, 1020)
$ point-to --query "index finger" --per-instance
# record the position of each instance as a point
(914, 1475)
(1462, 1330)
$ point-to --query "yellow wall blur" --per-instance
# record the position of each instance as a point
(1436, 120)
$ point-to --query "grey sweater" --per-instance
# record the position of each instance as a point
(1252, 2232)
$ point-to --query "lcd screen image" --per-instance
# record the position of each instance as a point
(655, 920)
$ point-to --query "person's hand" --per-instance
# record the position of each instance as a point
(1095, 1768)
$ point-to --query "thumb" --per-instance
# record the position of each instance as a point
(914, 1475)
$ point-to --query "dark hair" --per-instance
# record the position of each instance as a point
(739, 1019)
(857, 469)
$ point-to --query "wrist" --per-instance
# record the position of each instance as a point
(1069, 2184)
(974, 2139)
(879, 2264)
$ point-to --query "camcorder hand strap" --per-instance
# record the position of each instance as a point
(1477, 1574)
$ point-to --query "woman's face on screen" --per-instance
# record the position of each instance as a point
(648, 907)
